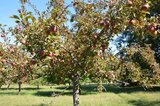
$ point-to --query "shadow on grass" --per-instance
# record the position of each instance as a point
(42, 104)
(22, 88)
(85, 90)
(59, 93)
(12, 93)
(144, 103)
(91, 89)
(51, 93)
(115, 89)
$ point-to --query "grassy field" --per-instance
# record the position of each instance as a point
(114, 96)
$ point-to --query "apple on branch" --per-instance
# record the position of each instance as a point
(23, 41)
(51, 54)
(133, 22)
(53, 29)
(3, 61)
(3, 35)
(129, 2)
(145, 7)
(152, 29)
(42, 52)
(13, 63)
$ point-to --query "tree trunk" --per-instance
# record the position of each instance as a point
(8, 86)
(19, 87)
(76, 90)
(1, 85)
(37, 86)
(100, 87)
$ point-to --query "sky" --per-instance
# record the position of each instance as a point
(10, 7)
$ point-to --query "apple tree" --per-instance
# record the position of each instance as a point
(15, 62)
(145, 47)
(66, 38)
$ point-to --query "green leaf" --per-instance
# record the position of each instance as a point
(21, 15)
(17, 21)
(30, 17)
(15, 17)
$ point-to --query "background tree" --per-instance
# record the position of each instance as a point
(15, 62)
(147, 45)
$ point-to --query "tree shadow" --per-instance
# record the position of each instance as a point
(144, 103)
(115, 89)
(85, 89)
(8, 88)
(41, 104)
(22, 88)
(65, 90)
(51, 93)
(12, 93)
(92, 89)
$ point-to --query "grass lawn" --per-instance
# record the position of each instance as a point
(114, 96)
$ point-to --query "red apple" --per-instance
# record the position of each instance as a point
(51, 54)
(23, 41)
(22, 66)
(3, 35)
(53, 29)
(106, 22)
(132, 21)
(13, 63)
(153, 27)
(150, 28)
(3, 61)
(101, 24)
(42, 52)
(145, 7)
(129, 3)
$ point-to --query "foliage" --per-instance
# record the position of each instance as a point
(142, 52)
(66, 41)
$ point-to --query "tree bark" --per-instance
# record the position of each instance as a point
(37, 86)
(1, 85)
(19, 87)
(76, 84)
(8, 86)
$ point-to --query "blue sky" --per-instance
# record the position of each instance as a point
(10, 7)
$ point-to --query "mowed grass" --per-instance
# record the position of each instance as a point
(114, 96)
